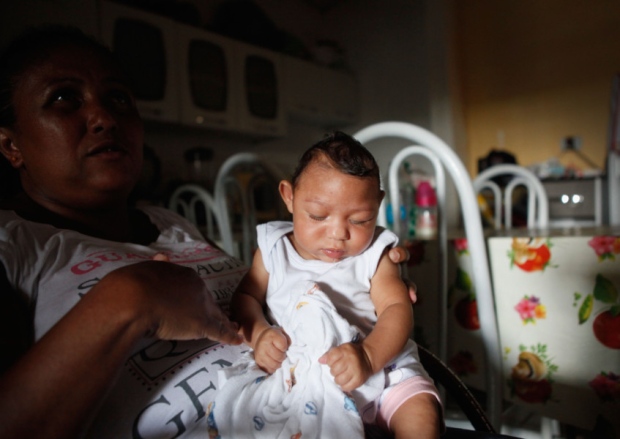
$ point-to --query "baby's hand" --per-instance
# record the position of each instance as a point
(348, 364)
(270, 349)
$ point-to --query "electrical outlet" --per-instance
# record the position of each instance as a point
(570, 143)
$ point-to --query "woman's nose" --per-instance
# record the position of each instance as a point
(100, 117)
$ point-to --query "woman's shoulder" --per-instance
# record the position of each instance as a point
(10, 222)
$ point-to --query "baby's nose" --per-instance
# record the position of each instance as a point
(340, 231)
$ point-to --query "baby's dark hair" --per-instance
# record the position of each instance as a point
(344, 152)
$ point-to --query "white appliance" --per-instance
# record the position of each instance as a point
(613, 157)
(575, 202)
(184, 74)
(613, 188)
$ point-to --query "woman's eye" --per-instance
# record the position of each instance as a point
(121, 97)
(65, 95)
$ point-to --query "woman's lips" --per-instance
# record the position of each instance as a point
(106, 147)
(108, 151)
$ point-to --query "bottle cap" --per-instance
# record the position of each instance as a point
(425, 195)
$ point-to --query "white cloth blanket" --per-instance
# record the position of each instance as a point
(301, 398)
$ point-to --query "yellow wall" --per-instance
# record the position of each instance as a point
(535, 71)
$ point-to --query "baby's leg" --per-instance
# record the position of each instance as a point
(411, 409)
(418, 417)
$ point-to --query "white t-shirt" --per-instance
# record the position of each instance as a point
(166, 388)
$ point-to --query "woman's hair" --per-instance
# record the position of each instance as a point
(23, 53)
(31, 48)
(344, 152)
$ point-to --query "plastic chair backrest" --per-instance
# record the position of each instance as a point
(538, 202)
(187, 199)
(227, 184)
(452, 165)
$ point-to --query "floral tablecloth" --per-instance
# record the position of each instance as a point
(558, 303)
(558, 306)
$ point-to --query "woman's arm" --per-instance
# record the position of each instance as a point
(56, 387)
(16, 333)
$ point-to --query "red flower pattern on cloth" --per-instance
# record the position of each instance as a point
(530, 254)
(605, 247)
(530, 309)
(463, 363)
(531, 378)
(461, 246)
(606, 325)
(606, 386)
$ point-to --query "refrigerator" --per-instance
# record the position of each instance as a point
(613, 157)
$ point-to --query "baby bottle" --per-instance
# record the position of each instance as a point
(426, 211)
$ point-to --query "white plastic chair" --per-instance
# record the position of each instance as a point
(188, 199)
(228, 186)
(445, 159)
(538, 202)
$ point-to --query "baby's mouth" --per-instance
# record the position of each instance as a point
(333, 253)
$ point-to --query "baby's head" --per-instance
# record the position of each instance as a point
(342, 152)
(334, 196)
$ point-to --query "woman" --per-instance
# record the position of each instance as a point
(69, 126)
(92, 312)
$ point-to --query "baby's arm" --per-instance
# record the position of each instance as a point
(247, 306)
(352, 364)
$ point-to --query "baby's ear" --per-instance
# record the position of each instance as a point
(286, 192)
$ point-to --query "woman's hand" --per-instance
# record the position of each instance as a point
(173, 300)
(92, 341)
(399, 255)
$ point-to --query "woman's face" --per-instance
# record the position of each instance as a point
(77, 141)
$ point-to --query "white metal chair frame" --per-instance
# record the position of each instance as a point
(538, 202)
(224, 180)
(199, 194)
(473, 230)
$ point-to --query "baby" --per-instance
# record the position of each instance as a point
(334, 197)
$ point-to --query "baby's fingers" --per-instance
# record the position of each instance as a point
(269, 358)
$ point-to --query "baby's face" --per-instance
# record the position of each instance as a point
(334, 214)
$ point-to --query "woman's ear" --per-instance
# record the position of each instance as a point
(286, 192)
(8, 148)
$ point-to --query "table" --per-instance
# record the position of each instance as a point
(558, 307)
(557, 296)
